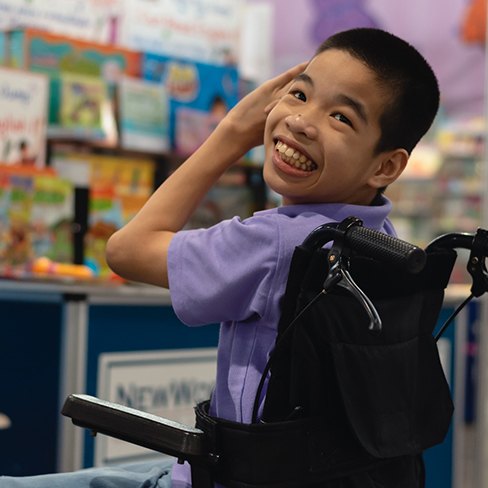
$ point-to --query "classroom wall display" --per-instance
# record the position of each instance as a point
(204, 30)
(199, 96)
(23, 117)
(143, 109)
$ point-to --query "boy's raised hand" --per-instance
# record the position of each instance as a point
(248, 117)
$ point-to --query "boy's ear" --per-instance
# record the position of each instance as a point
(390, 168)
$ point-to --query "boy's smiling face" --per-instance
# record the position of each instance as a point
(320, 137)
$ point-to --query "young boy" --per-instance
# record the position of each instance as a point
(336, 131)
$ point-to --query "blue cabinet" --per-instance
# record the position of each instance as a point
(30, 341)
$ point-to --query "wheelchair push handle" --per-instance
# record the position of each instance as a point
(352, 236)
(383, 247)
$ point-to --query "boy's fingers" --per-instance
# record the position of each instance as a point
(290, 74)
(300, 66)
(283, 81)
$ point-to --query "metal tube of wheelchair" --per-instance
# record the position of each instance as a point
(321, 235)
(454, 240)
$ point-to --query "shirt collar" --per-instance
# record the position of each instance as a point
(373, 216)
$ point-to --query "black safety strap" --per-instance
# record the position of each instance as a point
(253, 455)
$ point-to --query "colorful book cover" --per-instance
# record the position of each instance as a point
(15, 206)
(86, 109)
(143, 115)
(36, 215)
(195, 89)
(51, 218)
(23, 117)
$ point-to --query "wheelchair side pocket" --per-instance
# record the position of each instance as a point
(395, 395)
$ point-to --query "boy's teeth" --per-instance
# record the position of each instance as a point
(294, 158)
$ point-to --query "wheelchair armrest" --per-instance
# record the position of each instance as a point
(134, 426)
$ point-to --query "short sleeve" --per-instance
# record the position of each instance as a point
(223, 273)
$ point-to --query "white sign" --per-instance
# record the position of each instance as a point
(86, 19)
(203, 30)
(164, 383)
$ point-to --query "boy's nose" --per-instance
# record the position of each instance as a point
(299, 124)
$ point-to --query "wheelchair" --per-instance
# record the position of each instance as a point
(354, 380)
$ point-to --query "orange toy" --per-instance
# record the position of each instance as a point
(44, 266)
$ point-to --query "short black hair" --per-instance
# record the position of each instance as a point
(405, 73)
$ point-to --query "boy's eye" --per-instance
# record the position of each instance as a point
(342, 118)
(299, 94)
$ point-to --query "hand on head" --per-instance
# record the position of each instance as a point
(248, 117)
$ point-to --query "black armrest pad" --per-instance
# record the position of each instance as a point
(134, 426)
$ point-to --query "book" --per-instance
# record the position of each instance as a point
(143, 115)
(86, 110)
(199, 95)
(23, 117)
(36, 216)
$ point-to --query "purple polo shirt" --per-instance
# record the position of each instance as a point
(234, 273)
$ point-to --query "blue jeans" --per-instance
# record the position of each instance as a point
(147, 474)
